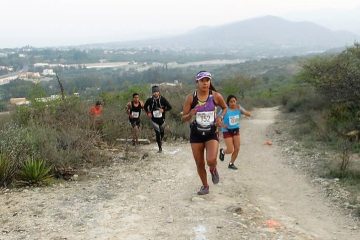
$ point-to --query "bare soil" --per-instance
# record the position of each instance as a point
(146, 195)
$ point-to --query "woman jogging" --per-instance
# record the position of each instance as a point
(203, 136)
(231, 130)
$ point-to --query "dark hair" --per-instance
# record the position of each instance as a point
(229, 98)
(212, 88)
(134, 94)
(98, 103)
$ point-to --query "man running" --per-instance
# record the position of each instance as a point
(133, 109)
(155, 108)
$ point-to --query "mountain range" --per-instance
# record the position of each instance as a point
(268, 35)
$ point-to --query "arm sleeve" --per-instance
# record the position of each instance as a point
(147, 105)
(166, 104)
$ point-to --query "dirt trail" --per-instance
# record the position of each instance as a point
(153, 196)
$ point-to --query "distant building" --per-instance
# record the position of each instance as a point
(176, 83)
(41, 64)
(19, 101)
(168, 85)
(47, 99)
(29, 75)
(48, 72)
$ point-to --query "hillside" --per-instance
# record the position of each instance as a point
(263, 35)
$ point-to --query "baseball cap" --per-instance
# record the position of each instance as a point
(203, 74)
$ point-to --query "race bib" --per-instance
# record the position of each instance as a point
(205, 118)
(234, 120)
(135, 114)
(157, 114)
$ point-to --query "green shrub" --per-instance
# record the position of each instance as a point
(4, 119)
(22, 115)
(59, 132)
(35, 172)
(176, 129)
(7, 170)
(14, 143)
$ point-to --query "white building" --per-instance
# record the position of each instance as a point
(41, 64)
(48, 72)
(19, 101)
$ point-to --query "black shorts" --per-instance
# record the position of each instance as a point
(195, 137)
(135, 122)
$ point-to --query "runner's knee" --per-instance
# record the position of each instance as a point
(229, 150)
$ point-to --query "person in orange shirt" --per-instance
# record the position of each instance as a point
(96, 116)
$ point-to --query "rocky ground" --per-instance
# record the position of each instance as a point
(313, 161)
(146, 195)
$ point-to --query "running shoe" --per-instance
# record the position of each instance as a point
(221, 154)
(160, 150)
(203, 190)
(232, 166)
(214, 176)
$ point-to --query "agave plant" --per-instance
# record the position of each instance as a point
(35, 172)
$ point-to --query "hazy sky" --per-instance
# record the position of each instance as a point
(68, 22)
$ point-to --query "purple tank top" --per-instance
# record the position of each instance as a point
(207, 108)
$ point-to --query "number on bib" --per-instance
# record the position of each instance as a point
(234, 120)
(135, 114)
(205, 118)
(157, 114)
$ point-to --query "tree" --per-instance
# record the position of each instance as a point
(337, 80)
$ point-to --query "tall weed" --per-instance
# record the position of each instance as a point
(7, 170)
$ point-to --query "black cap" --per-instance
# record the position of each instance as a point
(155, 89)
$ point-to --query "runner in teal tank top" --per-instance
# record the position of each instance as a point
(231, 130)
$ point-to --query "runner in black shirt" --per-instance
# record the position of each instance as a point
(155, 108)
(133, 109)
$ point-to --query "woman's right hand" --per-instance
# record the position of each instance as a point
(192, 112)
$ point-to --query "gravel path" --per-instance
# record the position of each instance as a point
(147, 195)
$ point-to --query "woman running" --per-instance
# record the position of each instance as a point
(203, 136)
(231, 130)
